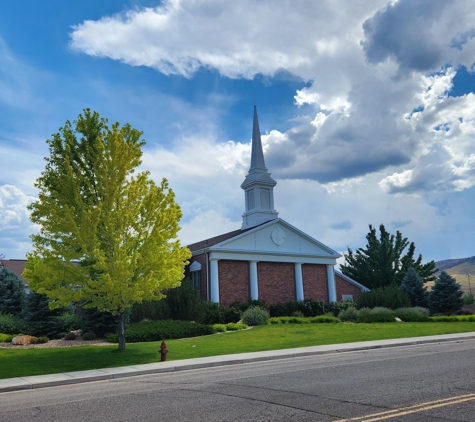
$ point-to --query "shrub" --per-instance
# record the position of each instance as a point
(11, 324)
(152, 309)
(42, 340)
(219, 328)
(213, 314)
(12, 292)
(307, 308)
(391, 297)
(88, 336)
(377, 314)
(185, 302)
(412, 314)
(100, 323)
(7, 338)
(70, 336)
(162, 330)
(452, 318)
(446, 295)
(232, 315)
(468, 300)
(349, 314)
(69, 322)
(323, 319)
(336, 307)
(255, 315)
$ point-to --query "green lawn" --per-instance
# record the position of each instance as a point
(24, 362)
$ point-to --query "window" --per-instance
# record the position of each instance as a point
(265, 200)
(250, 200)
(196, 280)
(347, 297)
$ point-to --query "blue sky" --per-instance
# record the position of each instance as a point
(366, 108)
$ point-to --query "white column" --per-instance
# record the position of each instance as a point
(214, 281)
(331, 284)
(298, 282)
(254, 283)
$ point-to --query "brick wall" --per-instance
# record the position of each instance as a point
(233, 281)
(315, 285)
(344, 287)
(276, 281)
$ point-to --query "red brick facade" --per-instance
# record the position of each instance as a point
(315, 284)
(233, 282)
(344, 287)
(276, 282)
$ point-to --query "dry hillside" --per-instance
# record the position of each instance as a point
(462, 270)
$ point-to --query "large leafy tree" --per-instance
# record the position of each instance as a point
(108, 237)
(385, 260)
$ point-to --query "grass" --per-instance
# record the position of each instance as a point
(25, 362)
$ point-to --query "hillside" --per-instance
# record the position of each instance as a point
(460, 270)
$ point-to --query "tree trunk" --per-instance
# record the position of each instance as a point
(121, 331)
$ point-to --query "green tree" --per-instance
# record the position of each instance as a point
(446, 295)
(413, 285)
(12, 292)
(108, 237)
(385, 260)
(39, 319)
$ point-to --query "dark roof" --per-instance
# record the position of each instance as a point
(16, 266)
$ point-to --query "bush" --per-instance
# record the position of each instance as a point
(162, 330)
(232, 315)
(69, 322)
(307, 308)
(255, 315)
(446, 295)
(219, 328)
(377, 314)
(70, 336)
(88, 336)
(323, 319)
(391, 297)
(412, 314)
(11, 324)
(100, 323)
(151, 310)
(213, 314)
(185, 302)
(468, 300)
(452, 318)
(336, 307)
(349, 314)
(7, 338)
(42, 340)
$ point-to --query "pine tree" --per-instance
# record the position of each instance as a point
(446, 295)
(413, 285)
(385, 260)
(12, 292)
(40, 319)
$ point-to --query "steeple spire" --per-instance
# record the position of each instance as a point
(258, 185)
(257, 155)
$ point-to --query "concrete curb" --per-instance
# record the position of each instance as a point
(40, 381)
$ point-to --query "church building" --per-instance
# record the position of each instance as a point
(267, 258)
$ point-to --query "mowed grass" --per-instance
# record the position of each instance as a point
(24, 362)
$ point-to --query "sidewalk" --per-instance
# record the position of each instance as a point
(39, 381)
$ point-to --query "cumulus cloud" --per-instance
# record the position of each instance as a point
(379, 75)
(15, 225)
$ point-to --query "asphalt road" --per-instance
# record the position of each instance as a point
(433, 382)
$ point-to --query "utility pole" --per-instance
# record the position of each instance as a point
(469, 287)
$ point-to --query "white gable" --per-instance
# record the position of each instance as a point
(276, 237)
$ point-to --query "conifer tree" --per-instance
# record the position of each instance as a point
(12, 292)
(413, 285)
(39, 319)
(446, 295)
(108, 238)
(385, 260)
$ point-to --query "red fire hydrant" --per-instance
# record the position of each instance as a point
(163, 352)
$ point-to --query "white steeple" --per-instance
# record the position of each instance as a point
(258, 185)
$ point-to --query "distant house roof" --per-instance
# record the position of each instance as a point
(16, 266)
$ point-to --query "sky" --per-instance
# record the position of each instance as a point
(366, 109)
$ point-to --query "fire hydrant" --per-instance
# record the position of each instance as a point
(163, 352)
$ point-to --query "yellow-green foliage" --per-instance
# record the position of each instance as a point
(121, 228)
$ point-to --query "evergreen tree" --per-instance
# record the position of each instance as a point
(40, 319)
(385, 260)
(413, 285)
(446, 295)
(12, 292)
(100, 323)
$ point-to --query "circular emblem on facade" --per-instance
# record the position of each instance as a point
(278, 236)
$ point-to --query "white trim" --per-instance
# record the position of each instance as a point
(274, 257)
(253, 279)
(299, 295)
(214, 280)
(195, 266)
(331, 284)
